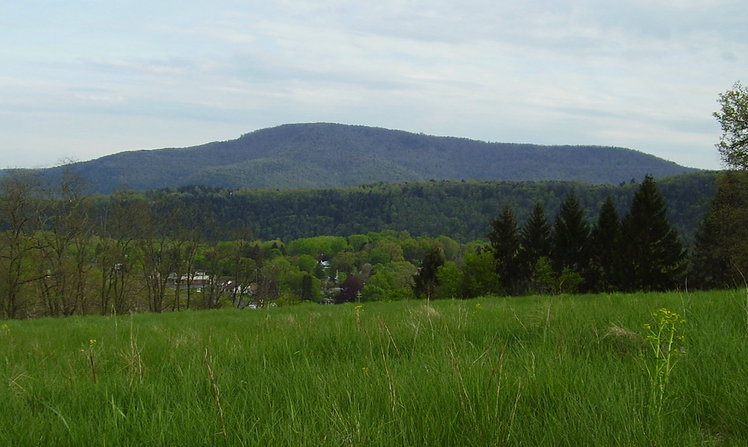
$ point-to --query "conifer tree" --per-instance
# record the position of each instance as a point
(721, 250)
(650, 252)
(426, 280)
(535, 242)
(605, 237)
(571, 238)
(710, 262)
(306, 287)
(505, 243)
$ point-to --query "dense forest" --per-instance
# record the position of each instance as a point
(459, 210)
(324, 155)
(64, 252)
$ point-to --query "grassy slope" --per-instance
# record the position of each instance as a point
(528, 371)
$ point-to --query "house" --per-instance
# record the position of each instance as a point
(194, 281)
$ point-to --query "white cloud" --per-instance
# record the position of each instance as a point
(638, 73)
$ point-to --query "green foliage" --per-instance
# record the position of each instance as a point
(450, 279)
(569, 281)
(459, 210)
(390, 282)
(505, 244)
(145, 257)
(571, 232)
(311, 289)
(318, 246)
(535, 241)
(721, 251)
(606, 240)
(306, 263)
(358, 242)
(546, 280)
(479, 274)
(666, 343)
(346, 261)
(385, 252)
(426, 280)
(536, 235)
(733, 117)
(650, 254)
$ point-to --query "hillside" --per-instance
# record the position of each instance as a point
(461, 210)
(333, 155)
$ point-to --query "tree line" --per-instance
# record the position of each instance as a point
(640, 251)
(63, 253)
(460, 210)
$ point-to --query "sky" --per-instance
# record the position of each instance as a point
(80, 79)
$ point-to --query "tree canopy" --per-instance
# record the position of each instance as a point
(733, 117)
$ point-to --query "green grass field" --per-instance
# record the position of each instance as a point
(492, 371)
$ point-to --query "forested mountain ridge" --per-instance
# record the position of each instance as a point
(458, 209)
(323, 155)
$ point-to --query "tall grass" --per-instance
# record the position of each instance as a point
(491, 371)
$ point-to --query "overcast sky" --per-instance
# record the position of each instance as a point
(80, 79)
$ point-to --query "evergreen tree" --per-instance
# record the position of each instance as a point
(650, 253)
(426, 279)
(710, 263)
(535, 242)
(306, 287)
(505, 244)
(571, 238)
(605, 237)
(721, 250)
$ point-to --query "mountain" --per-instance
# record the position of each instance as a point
(324, 155)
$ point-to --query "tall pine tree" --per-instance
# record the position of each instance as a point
(571, 238)
(651, 255)
(720, 256)
(605, 237)
(426, 280)
(504, 238)
(535, 242)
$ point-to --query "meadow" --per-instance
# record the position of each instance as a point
(539, 371)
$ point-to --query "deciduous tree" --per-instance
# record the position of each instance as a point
(18, 211)
(64, 246)
(479, 274)
(733, 118)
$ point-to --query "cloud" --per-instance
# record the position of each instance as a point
(575, 71)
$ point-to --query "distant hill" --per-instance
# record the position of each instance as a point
(333, 155)
(460, 210)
